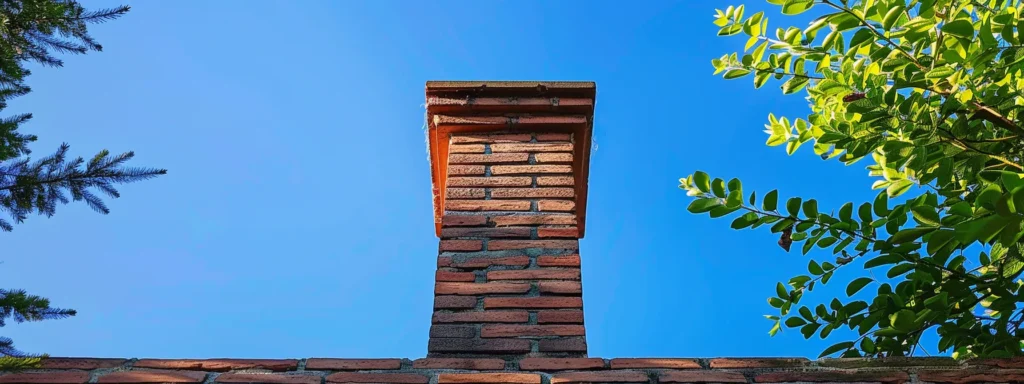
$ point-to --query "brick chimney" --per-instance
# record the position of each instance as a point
(509, 162)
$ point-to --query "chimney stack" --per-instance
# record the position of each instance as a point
(509, 163)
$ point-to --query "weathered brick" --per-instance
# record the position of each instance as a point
(498, 245)
(486, 232)
(352, 364)
(490, 331)
(559, 364)
(561, 287)
(961, 376)
(494, 138)
(556, 205)
(486, 205)
(218, 365)
(396, 378)
(754, 362)
(565, 344)
(497, 158)
(484, 262)
(473, 289)
(893, 362)
(505, 193)
(455, 363)
(461, 245)
(533, 302)
(466, 193)
(463, 220)
(456, 331)
(553, 316)
(482, 317)
(655, 363)
(264, 378)
(553, 137)
(488, 378)
(893, 377)
(444, 261)
(701, 377)
(1008, 362)
(570, 232)
(510, 181)
(466, 170)
(153, 376)
(559, 261)
(80, 363)
(466, 148)
(454, 302)
(521, 219)
(478, 345)
(74, 377)
(535, 274)
(529, 169)
(553, 157)
(454, 276)
(600, 377)
(532, 147)
(550, 181)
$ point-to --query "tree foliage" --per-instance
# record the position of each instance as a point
(930, 92)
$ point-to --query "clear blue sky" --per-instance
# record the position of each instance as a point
(296, 218)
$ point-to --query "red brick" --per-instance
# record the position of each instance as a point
(463, 220)
(893, 362)
(488, 378)
(520, 219)
(466, 193)
(455, 276)
(466, 170)
(744, 363)
(399, 378)
(490, 331)
(454, 302)
(486, 205)
(461, 245)
(553, 157)
(479, 345)
(552, 120)
(444, 261)
(473, 289)
(263, 378)
(482, 317)
(570, 344)
(218, 365)
(498, 245)
(701, 377)
(504, 193)
(448, 363)
(559, 261)
(1009, 362)
(154, 376)
(570, 232)
(892, 377)
(496, 138)
(556, 205)
(497, 158)
(960, 376)
(561, 287)
(548, 181)
(532, 147)
(80, 363)
(484, 262)
(559, 364)
(655, 363)
(552, 137)
(466, 148)
(535, 274)
(529, 169)
(600, 377)
(456, 331)
(486, 232)
(547, 317)
(46, 378)
(513, 181)
(533, 302)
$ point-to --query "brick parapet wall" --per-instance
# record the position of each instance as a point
(525, 371)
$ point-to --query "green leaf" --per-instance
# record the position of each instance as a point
(910, 234)
(903, 320)
(794, 322)
(892, 16)
(735, 199)
(811, 209)
(793, 206)
(814, 268)
(836, 348)
(940, 73)
(862, 36)
(857, 284)
(925, 215)
(780, 290)
(736, 73)
(959, 28)
(881, 205)
(718, 188)
(702, 181)
(899, 187)
(882, 260)
(900, 269)
(775, 329)
(793, 85)
(771, 201)
(796, 7)
(864, 212)
(745, 220)
(703, 205)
